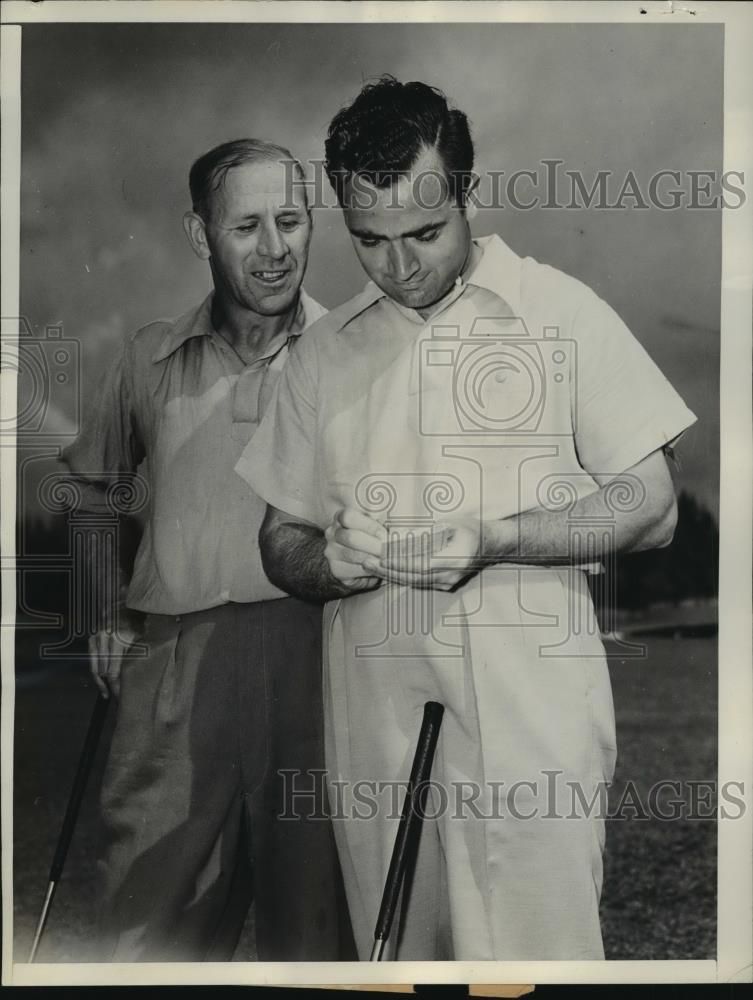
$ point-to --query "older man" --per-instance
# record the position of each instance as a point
(447, 451)
(228, 693)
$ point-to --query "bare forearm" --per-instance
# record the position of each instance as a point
(633, 511)
(619, 518)
(293, 559)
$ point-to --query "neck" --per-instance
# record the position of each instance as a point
(472, 258)
(248, 332)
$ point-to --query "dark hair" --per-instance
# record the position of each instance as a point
(381, 134)
(209, 171)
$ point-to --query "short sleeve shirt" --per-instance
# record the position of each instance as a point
(180, 405)
(520, 388)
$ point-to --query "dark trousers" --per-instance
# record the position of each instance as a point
(225, 700)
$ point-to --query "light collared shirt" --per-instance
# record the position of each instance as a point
(519, 389)
(180, 400)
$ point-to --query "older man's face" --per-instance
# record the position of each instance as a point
(258, 233)
(411, 238)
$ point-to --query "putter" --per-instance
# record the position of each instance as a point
(86, 760)
(406, 841)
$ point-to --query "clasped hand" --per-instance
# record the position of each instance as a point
(361, 554)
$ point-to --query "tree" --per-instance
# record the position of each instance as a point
(688, 568)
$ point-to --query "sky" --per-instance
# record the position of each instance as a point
(114, 115)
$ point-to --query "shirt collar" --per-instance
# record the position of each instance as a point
(197, 322)
(498, 271)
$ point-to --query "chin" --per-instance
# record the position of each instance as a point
(276, 302)
(416, 301)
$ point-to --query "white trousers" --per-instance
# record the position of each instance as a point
(510, 860)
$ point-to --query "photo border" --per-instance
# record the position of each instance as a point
(735, 864)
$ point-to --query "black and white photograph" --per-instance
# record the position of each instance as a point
(376, 457)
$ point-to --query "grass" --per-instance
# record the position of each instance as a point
(659, 899)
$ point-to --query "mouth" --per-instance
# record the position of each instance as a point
(412, 285)
(271, 278)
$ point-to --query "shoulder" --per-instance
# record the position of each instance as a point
(564, 291)
(322, 335)
(572, 304)
(158, 339)
(137, 351)
(147, 339)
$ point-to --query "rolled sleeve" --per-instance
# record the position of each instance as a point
(623, 407)
(279, 463)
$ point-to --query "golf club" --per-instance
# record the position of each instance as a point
(409, 829)
(83, 770)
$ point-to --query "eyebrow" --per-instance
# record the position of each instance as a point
(364, 234)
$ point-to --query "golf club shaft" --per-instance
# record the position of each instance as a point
(377, 950)
(88, 751)
(409, 829)
(42, 920)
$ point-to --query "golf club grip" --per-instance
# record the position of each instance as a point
(410, 818)
(88, 751)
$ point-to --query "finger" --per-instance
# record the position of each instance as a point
(119, 647)
(360, 541)
(113, 678)
(116, 648)
(349, 517)
(424, 562)
(99, 682)
(92, 648)
(403, 579)
(347, 573)
(95, 661)
(430, 541)
(421, 580)
(408, 562)
(339, 553)
(110, 649)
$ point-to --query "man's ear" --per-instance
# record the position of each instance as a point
(196, 232)
(469, 199)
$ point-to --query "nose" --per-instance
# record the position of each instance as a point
(403, 263)
(271, 244)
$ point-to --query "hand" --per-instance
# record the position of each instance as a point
(437, 559)
(106, 652)
(352, 538)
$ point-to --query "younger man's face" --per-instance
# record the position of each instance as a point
(411, 237)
